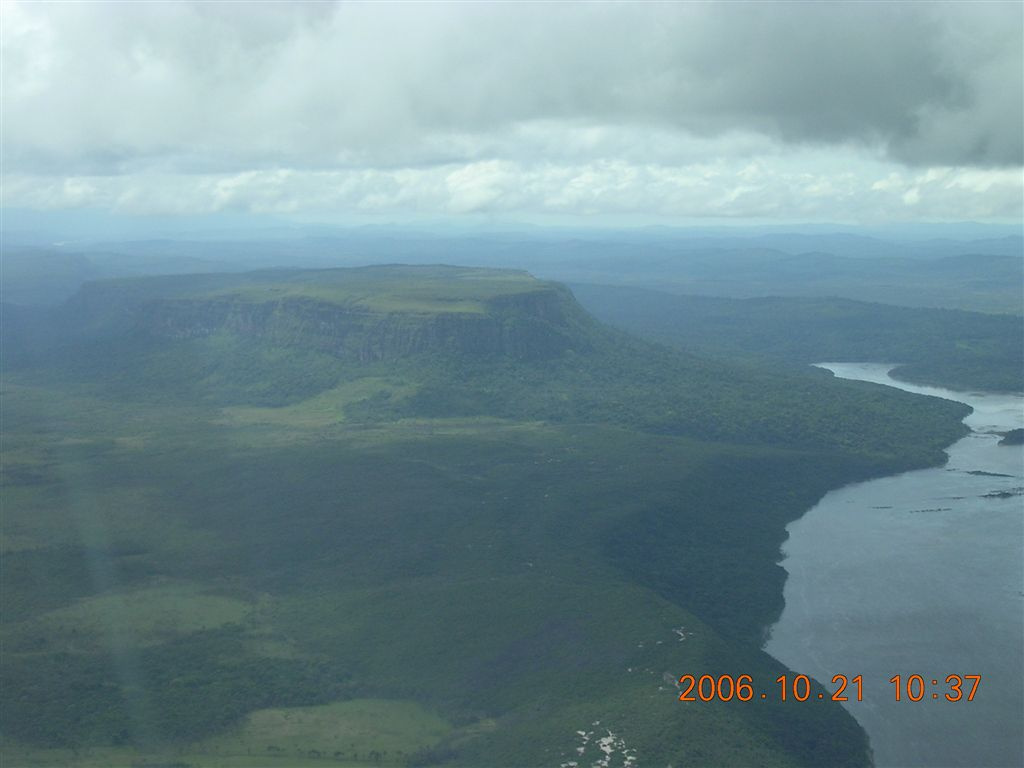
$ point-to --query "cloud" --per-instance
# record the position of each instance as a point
(212, 86)
(800, 186)
(733, 109)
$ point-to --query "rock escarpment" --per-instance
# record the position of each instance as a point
(534, 320)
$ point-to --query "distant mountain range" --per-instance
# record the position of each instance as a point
(982, 274)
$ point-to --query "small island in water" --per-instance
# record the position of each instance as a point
(1013, 437)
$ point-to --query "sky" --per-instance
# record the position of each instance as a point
(574, 112)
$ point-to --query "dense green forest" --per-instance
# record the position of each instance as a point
(406, 516)
(949, 348)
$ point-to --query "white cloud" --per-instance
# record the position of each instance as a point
(590, 109)
(799, 184)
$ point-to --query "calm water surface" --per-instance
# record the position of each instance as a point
(920, 573)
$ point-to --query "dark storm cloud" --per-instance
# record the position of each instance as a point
(329, 86)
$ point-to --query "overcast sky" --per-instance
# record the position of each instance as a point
(671, 112)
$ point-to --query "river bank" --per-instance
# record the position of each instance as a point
(919, 573)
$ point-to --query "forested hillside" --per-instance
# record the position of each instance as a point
(950, 348)
(407, 516)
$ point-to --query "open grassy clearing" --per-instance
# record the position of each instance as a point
(415, 290)
(424, 291)
(324, 409)
(385, 732)
(142, 617)
(125, 757)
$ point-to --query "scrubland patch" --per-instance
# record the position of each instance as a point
(141, 617)
(361, 729)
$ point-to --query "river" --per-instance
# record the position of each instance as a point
(919, 573)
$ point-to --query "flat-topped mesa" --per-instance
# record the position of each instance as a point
(363, 314)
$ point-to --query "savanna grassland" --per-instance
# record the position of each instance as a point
(406, 516)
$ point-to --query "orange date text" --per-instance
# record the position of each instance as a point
(844, 688)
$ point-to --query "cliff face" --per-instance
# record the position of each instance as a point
(533, 324)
